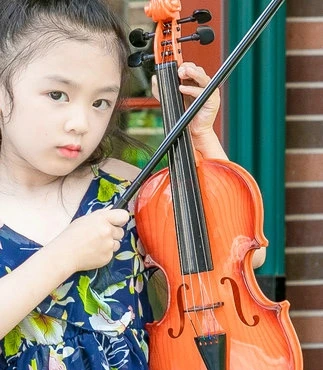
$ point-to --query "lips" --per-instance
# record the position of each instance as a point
(70, 151)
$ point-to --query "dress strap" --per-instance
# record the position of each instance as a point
(95, 169)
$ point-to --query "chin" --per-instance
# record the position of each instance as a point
(61, 171)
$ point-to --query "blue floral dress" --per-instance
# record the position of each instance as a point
(95, 319)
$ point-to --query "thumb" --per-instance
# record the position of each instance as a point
(117, 217)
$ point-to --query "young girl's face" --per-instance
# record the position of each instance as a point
(63, 101)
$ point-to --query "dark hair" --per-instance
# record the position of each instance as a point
(27, 26)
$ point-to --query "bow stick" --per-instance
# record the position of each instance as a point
(217, 80)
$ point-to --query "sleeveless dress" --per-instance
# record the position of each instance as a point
(95, 319)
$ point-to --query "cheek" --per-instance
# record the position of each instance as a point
(97, 135)
(96, 132)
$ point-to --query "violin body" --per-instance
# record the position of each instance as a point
(201, 221)
(258, 332)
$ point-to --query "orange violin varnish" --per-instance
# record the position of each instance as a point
(259, 333)
(201, 222)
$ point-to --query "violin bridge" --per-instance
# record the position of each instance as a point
(212, 349)
(204, 308)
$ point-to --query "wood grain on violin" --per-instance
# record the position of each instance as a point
(201, 221)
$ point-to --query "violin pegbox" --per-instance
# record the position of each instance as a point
(167, 35)
(168, 30)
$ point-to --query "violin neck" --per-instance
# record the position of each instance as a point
(191, 229)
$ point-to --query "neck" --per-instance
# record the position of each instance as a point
(19, 179)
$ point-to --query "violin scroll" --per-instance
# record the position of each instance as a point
(163, 9)
(167, 35)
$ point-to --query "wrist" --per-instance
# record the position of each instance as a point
(60, 258)
(207, 143)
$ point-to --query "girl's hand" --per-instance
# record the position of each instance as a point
(87, 243)
(194, 80)
(90, 241)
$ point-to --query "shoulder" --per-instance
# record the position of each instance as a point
(120, 168)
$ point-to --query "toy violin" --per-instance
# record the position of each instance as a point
(201, 220)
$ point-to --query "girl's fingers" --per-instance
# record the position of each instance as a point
(117, 217)
(190, 72)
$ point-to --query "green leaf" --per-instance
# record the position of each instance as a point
(91, 305)
(113, 288)
(33, 364)
(12, 342)
(106, 190)
(127, 255)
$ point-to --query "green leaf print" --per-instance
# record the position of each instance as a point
(131, 286)
(12, 342)
(33, 365)
(91, 305)
(123, 256)
(41, 328)
(113, 288)
(106, 190)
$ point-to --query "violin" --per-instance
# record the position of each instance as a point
(200, 221)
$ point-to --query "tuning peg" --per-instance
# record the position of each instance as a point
(139, 38)
(199, 16)
(136, 59)
(204, 34)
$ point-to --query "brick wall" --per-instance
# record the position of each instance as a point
(304, 175)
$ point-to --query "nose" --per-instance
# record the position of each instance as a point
(78, 121)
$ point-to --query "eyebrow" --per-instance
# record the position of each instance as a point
(75, 85)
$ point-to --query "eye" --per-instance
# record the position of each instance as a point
(58, 96)
(101, 104)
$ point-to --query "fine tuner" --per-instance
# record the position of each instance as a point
(139, 38)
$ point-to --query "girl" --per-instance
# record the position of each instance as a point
(63, 305)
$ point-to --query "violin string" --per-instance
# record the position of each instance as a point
(203, 291)
(189, 258)
(165, 80)
(205, 297)
(184, 194)
(202, 287)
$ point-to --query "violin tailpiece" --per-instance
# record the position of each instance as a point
(212, 349)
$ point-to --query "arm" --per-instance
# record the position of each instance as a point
(205, 140)
(208, 144)
(87, 243)
(25, 287)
